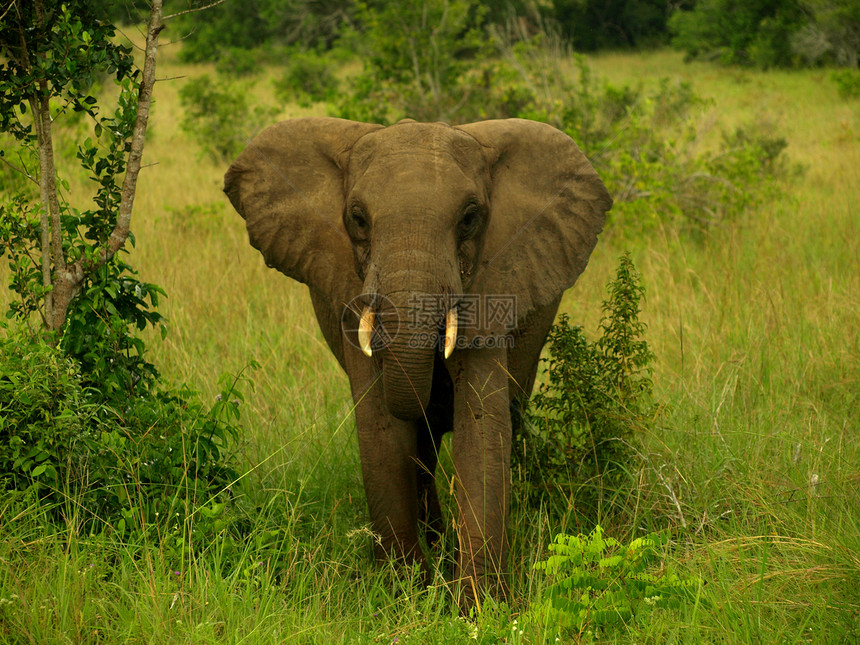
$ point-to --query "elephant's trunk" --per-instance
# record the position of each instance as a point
(407, 361)
(407, 374)
(413, 281)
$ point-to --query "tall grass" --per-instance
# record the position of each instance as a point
(755, 464)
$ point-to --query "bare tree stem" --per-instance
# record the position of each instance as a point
(144, 101)
(49, 214)
(194, 10)
(45, 162)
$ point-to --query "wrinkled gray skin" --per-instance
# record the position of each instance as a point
(373, 216)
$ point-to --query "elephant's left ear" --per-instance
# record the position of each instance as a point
(547, 206)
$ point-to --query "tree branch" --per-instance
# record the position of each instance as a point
(22, 170)
(144, 101)
(194, 10)
(49, 213)
(8, 9)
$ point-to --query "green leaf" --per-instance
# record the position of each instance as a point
(214, 511)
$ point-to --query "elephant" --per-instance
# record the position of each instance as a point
(435, 257)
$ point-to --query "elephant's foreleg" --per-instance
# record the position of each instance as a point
(388, 451)
(482, 448)
(388, 454)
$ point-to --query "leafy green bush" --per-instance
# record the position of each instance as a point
(419, 61)
(599, 583)
(98, 331)
(117, 463)
(238, 61)
(831, 35)
(221, 30)
(754, 32)
(660, 179)
(218, 114)
(596, 400)
(763, 33)
(308, 78)
(848, 82)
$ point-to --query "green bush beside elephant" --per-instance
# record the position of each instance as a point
(436, 257)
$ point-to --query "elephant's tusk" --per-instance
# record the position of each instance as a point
(365, 330)
(450, 331)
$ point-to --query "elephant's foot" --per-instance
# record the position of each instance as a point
(480, 577)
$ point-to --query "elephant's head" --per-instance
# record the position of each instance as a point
(424, 221)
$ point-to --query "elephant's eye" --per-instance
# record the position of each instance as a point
(470, 221)
(358, 223)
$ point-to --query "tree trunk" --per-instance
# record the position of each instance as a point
(66, 280)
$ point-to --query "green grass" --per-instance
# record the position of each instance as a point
(754, 462)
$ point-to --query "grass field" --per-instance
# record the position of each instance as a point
(754, 461)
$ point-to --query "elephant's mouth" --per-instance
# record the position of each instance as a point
(409, 346)
(367, 325)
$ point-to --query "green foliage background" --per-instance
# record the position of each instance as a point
(762, 33)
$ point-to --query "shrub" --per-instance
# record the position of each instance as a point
(119, 464)
(308, 78)
(755, 32)
(831, 35)
(599, 583)
(419, 61)
(247, 25)
(770, 34)
(100, 330)
(659, 179)
(586, 417)
(237, 61)
(218, 115)
(848, 82)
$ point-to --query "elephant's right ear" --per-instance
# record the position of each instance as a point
(288, 184)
